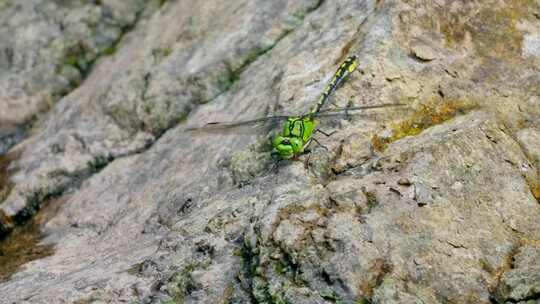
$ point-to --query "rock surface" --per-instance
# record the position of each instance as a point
(437, 203)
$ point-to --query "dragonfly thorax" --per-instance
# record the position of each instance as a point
(296, 134)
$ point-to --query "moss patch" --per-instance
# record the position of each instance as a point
(232, 74)
(302, 13)
(431, 113)
(259, 287)
(79, 57)
(161, 53)
(371, 199)
(98, 163)
(35, 201)
(182, 284)
(493, 29)
(331, 296)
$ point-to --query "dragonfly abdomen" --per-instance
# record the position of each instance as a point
(346, 68)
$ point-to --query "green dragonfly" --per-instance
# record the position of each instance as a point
(298, 130)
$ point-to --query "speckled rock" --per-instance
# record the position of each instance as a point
(521, 281)
(433, 203)
(47, 47)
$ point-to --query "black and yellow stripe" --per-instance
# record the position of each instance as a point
(346, 68)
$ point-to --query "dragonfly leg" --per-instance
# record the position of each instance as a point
(324, 133)
(318, 143)
(306, 162)
(275, 162)
(275, 167)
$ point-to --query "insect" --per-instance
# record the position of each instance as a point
(298, 131)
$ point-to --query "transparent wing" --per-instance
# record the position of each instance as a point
(334, 112)
(265, 123)
(243, 126)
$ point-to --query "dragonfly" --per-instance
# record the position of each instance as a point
(298, 130)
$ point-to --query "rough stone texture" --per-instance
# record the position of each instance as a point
(47, 46)
(522, 280)
(437, 203)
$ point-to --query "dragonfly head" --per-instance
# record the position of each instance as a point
(287, 147)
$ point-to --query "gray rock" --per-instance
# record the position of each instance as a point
(529, 139)
(436, 203)
(522, 280)
(47, 47)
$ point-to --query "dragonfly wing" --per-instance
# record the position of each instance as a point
(359, 108)
(353, 111)
(246, 126)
